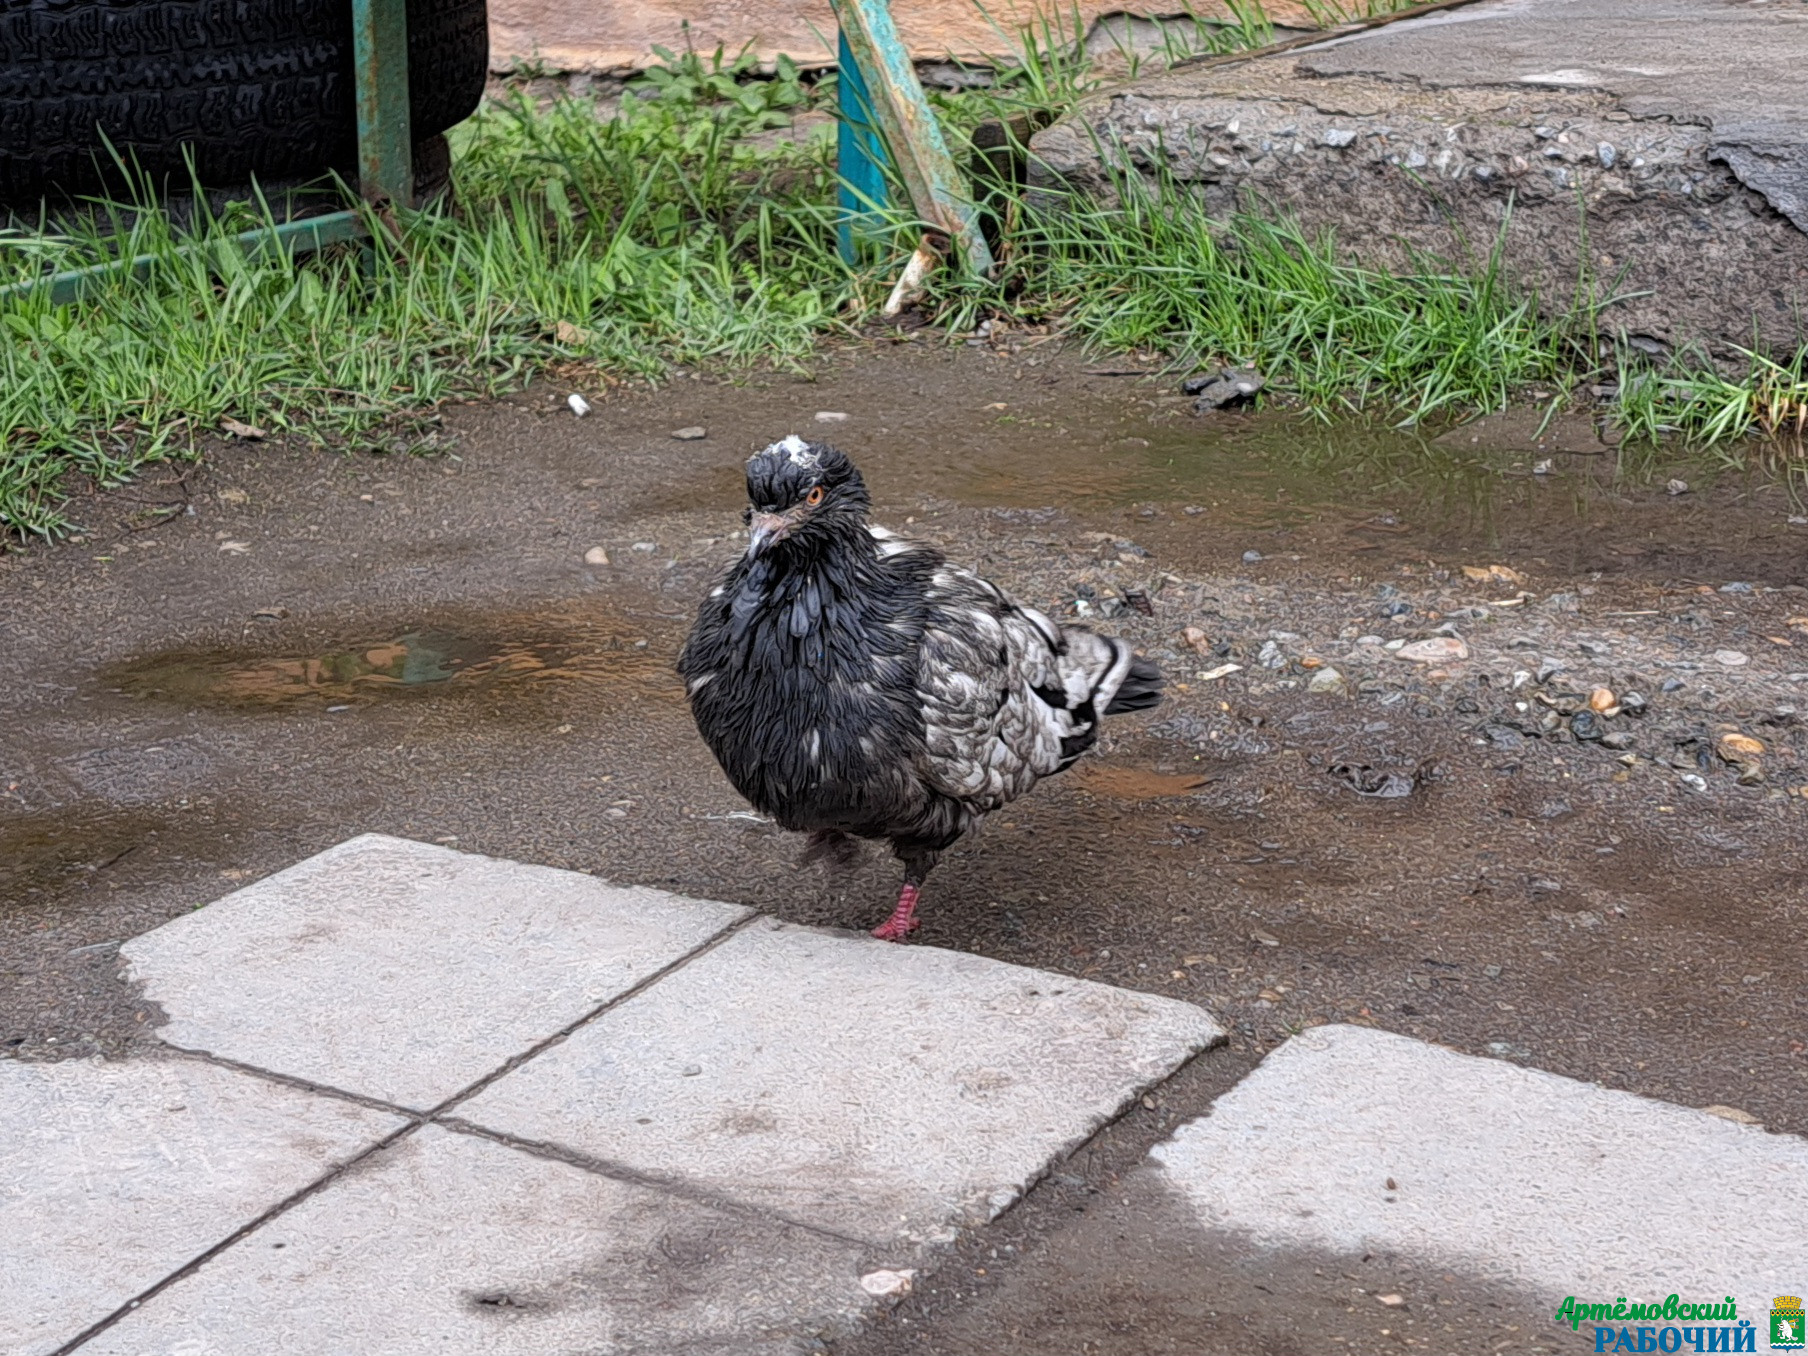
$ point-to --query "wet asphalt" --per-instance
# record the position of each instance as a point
(327, 645)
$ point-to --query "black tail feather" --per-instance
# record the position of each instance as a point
(1140, 689)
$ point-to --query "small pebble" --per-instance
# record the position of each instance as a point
(1731, 659)
(1732, 1113)
(1734, 747)
(579, 406)
(646, 546)
(886, 1283)
(831, 416)
(1437, 650)
(1327, 680)
(1677, 487)
(1251, 557)
(691, 434)
(596, 555)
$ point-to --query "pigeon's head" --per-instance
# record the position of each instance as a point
(801, 492)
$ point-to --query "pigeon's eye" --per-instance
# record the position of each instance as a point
(814, 497)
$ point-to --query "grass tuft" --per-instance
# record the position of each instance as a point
(1156, 272)
(662, 234)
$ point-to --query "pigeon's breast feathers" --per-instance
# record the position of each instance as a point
(802, 666)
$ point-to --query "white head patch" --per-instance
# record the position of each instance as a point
(796, 451)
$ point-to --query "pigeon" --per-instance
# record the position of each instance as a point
(854, 684)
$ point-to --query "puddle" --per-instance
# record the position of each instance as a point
(1499, 485)
(413, 665)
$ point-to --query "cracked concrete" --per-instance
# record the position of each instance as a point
(1677, 129)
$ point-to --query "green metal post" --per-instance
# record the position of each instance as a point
(937, 191)
(380, 63)
(860, 160)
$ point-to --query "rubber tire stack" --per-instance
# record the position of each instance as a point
(250, 88)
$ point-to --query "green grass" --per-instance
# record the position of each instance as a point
(685, 229)
(1704, 407)
(1156, 272)
(659, 236)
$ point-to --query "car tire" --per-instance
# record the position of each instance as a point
(249, 88)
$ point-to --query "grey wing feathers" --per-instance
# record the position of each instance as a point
(1008, 696)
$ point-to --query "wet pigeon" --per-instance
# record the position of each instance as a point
(854, 684)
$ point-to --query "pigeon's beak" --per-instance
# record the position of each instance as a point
(763, 529)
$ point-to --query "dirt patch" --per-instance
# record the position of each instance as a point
(1135, 783)
(45, 852)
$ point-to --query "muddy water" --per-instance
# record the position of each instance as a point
(413, 666)
(1559, 495)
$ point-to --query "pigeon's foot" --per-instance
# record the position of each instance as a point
(903, 920)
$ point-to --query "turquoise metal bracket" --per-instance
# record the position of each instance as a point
(385, 161)
(888, 99)
(859, 157)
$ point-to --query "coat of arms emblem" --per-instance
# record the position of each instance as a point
(1786, 1324)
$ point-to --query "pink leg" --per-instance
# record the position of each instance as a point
(903, 920)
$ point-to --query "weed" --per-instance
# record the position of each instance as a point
(692, 81)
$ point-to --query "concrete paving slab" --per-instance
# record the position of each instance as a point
(886, 1092)
(452, 1244)
(112, 1176)
(1505, 1173)
(403, 971)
